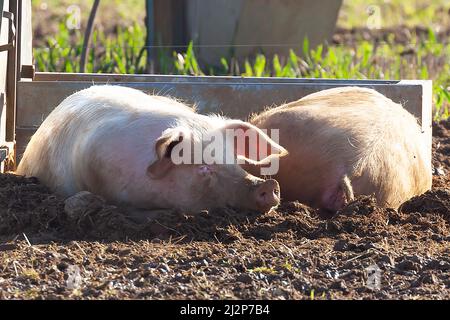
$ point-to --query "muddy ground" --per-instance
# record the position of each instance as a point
(50, 252)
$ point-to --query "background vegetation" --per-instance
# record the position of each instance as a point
(413, 43)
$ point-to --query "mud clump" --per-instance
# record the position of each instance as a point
(441, 151)
(435, 202)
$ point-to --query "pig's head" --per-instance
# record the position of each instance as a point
(197, 182)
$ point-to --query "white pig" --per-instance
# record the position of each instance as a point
(116, 142)
(348, 141)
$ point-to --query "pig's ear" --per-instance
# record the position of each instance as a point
(251, 144)
(163, 149)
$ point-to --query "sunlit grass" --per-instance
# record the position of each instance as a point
(120, 53)
(392, 13)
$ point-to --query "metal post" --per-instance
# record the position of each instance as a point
(1, 13)
(87, 36)
(150, 38)
(11, 78)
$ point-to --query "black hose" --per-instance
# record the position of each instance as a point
(87, 36)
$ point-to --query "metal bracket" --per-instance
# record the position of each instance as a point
(12, 32)
(7, 151)
(27, 72)
(7, 47)
(4, 152)
(6, 148)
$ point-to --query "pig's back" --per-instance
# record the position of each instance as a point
(349, 131)
(94, 132)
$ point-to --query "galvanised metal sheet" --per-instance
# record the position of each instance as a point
(110, 78)
(234, 97)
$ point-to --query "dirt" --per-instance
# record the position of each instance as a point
(399, 35)
(50, 251)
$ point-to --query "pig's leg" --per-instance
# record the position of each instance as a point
(337, 195)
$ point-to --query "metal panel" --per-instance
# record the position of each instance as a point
(18, 33)
(3, 64)
(1, 18)
(212, 26)
(11, 79)
(4, 39)
(25, 34)
(233, 97)
(170, 23)
(150, 37)
(224, 28)
(282, 26)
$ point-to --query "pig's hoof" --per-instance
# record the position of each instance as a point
(82, 203)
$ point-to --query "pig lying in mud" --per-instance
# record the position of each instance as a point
(348, 141)
(119, 143)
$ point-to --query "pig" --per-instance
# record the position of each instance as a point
(345, 142)
(117, 142)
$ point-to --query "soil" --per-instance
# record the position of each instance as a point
(48, 250)
(399, 35)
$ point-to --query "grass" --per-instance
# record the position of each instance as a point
(52, 12)
(264, 270)
(119, 53)
(121, 50)
(392, 13)
(354, 13)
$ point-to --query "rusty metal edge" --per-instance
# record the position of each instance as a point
(107, 78)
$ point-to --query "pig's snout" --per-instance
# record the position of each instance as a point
(268, 195)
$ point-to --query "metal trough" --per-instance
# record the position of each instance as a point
(235, 97)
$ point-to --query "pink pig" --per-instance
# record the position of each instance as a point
(348, 141)
(117, 142)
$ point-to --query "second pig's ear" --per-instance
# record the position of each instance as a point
(252, 144)
(163, 149)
